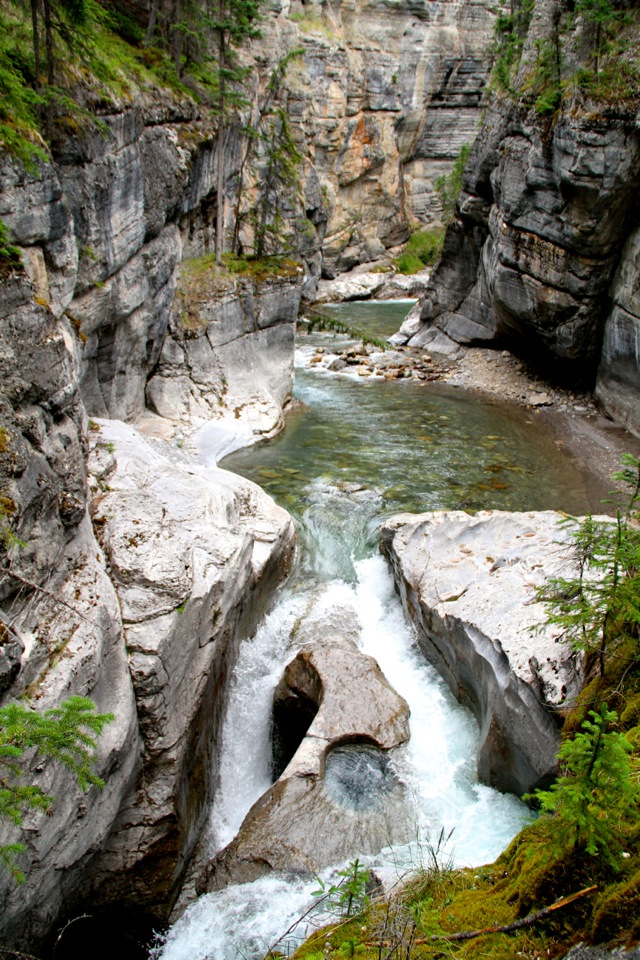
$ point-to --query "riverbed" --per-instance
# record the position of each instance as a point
(355, 451)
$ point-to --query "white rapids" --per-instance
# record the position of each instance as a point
(437, 766)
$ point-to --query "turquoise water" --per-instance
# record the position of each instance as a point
(355, 452)
(387, 447)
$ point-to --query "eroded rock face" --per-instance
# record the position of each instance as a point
(468, 582)
(380, 102)
(228, 355)
(193, 553)
(619, 373)
(538, 235)
(66, 632)
(340, 771)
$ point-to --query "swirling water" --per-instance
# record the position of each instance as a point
(354, 453)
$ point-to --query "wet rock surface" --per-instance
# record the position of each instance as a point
(468, 582)
(341, 770)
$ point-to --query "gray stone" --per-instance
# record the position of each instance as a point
(540, 230)
(469, 583)
(292, 826)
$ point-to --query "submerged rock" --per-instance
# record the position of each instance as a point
(340, 772)
(469, 582)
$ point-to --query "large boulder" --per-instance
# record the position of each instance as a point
(469, 584)
(339, 773)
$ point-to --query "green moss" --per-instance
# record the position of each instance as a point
(618, 910)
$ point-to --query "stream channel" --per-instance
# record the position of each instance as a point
(354, 452)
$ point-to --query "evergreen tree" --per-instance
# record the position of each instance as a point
(67, 734)
(601, 18)
(599, 608)
(595, 797)
(232, 22)
(281, 165)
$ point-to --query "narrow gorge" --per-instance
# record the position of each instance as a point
(206, 501)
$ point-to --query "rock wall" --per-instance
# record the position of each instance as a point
(91, 606)
(539, 232)
(469, 585)
(542, 253)
(228, 354)
(380, 102)
(141, 608)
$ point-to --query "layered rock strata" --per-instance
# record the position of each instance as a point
(619, 370)
(143, 611)
(468, 583)
(380, 102)
(59, 610)
(228, 354)
(539, 232)
(83, 327)
(338, 772)
(542, 254)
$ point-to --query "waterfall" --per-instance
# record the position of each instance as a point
(437, 767)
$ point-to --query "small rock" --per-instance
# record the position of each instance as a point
(337, 364)
(539, 399)
(426, 358)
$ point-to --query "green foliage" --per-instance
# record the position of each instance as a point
(67, 734)
(599, 607)
(602, 20)
(448, 186)
(279, 184)
(318, 320)
(600, 35)
(349, 895)
(545, 85)
(509, 36)
(595, 799)
(10, 259)
(409, 263)
(422, 249)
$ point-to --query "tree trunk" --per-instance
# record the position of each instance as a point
(151, 25)
(48, 42)
(221, 133)
(176, 35)
(36, 40)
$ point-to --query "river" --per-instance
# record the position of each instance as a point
(354, 452)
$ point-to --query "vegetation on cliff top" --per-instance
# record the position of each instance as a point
(585, 58)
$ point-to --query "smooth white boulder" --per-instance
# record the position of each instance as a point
(469, 584)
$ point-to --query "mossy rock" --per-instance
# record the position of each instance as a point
(618, 911)
(595, 692)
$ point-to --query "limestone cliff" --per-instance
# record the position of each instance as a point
(107, 591)
(542, 253)
(380, 102)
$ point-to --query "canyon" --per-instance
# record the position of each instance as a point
(130, 364)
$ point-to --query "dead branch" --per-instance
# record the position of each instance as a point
(46, 593)
(510, 927)
(506, 928)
